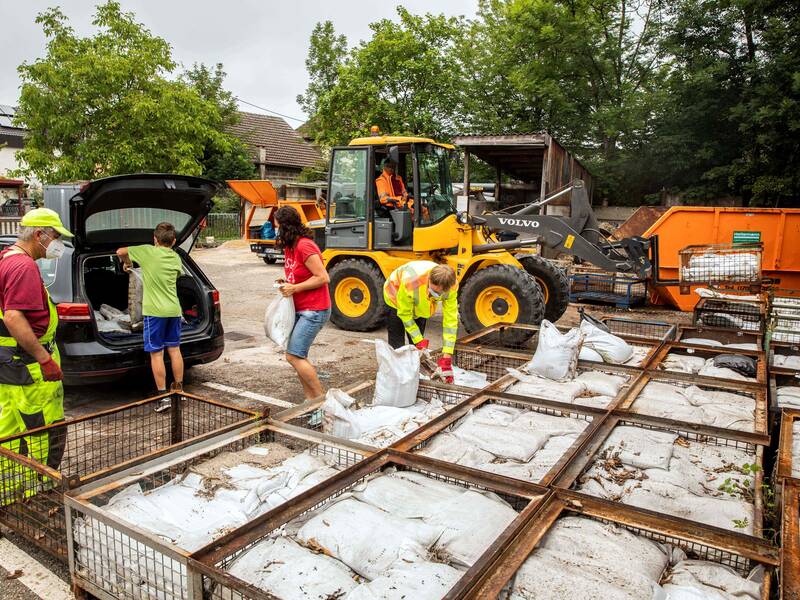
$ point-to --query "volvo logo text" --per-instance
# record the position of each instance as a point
(519, 222)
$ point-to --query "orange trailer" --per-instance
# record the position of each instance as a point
(261, 194)
(777, 228)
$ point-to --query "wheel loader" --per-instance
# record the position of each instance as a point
(498, 281)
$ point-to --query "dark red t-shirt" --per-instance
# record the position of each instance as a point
(294, 265)
(21, 288)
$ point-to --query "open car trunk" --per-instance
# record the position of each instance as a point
(105, 286)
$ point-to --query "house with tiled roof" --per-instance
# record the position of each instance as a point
(279, 152)
(11, 140)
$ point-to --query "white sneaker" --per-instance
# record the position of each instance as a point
(164, 405)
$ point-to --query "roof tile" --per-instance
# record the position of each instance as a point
(284, 145)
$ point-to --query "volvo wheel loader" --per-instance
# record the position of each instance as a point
(498, 281)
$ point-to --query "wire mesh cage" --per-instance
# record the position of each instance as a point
(690, 400)
(506, 576)
(784, 316)
(726, 466)
(436, 395)
(789, 444)
(607, 288)
(119, 553)
(38, 466)
(733, 266)
(541, 442)
(743, 362)
(730, 314)
(216, 561)
(706, 336)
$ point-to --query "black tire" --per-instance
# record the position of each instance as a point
(372, 279)
(526, 292)
(552, 280)
(270, 260)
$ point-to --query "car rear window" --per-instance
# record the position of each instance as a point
(135, 218)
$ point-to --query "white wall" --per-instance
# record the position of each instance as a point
(7, 160)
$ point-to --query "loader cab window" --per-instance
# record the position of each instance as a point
(405, 169)
(435, 187)
(348, 186)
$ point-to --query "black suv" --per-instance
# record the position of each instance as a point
(123, 211)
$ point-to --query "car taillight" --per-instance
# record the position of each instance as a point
(215, 297)
(69, 311)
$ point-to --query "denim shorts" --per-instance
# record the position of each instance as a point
(307, 324)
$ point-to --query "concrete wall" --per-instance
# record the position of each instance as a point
(8, 161)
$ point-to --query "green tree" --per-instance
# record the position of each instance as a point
(104, 104)
(231, 159)
(326, 53)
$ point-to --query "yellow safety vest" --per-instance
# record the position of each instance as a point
(406, 291)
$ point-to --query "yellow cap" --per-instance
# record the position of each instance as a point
(44, 217)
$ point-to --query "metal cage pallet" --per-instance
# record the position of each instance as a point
(454, 417)
(505, 336)
(677, 349)
(309, 413)
(719, 334)
(732, 266)
(741, 553)
(790, 538)
(609, 288)
(784, 316)
(214, 561)
(590, 453)
(39, 465)
(731, 314)
(113, 559)
(757, 392)
(785, 468)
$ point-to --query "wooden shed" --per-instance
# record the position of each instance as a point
(536, 159)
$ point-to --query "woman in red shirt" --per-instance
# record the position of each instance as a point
(307, 283)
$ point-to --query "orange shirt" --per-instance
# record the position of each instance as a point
(390, 187)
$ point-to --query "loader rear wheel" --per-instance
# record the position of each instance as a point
(552, 280)
(357, 295)
(501, 294)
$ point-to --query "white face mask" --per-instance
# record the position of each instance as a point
(54, 250)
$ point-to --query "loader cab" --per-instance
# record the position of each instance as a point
(356, 219)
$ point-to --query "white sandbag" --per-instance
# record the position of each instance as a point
(640, 447)
(401, 421)
(469, 524)
(279, 321)
(704, 580)
(542, 387)
(449, 448)
(500, 440)
(638, 356)
(682, 363)
(556, 355)
(587, 353)
(367, 539)
(419, 580)
(397, 381)
(405, 494)
(472, 379)
(340, 418)
(594, 401)
(287, 570)
(709, 370)
(135, 298)
(613, 349)
(701, 342)
(743, 346)
(787, 362)
(601, 384)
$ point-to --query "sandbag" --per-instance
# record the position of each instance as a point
(587, 353)
(406, 494)
(135, 298)
(601, 384)
(341, 418)
(556, 355)
(613, 349)
(682, 363)
(701, 342)
(367, 539)
(279, 321)
(709, 370)
(419, 580)
(397, 381)
(744, 365)
(640, 447)
(702, 579)
(541, 387)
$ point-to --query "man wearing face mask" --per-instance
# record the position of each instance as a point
(31, 392)
(412, 292)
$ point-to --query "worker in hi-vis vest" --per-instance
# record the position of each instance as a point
(413, 292)
(31, 392)
(391, 189)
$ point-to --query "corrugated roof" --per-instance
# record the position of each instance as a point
(284, 145)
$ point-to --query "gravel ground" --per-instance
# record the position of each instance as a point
(250, 361)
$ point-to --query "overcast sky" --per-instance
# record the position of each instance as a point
(262, 43)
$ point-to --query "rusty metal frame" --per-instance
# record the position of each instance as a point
(721, 334)
(484, 581)
(450, 419)
(39, 516)
(790, 538)
(784, 462)
(87, 500)
(584, 456)
(214, 556)
(627, 405)
(709, 352)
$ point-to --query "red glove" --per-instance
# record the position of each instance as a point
(445, 364)
(50, 370)
(422, 345)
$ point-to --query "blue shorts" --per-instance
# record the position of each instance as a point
(307, 324)
(161, 332)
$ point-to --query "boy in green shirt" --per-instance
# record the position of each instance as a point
(161, 309)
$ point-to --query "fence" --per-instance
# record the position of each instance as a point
(223, 226)
(9, 225)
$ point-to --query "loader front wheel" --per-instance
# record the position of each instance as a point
(357, 295)
(500, 294)
(552, 280)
